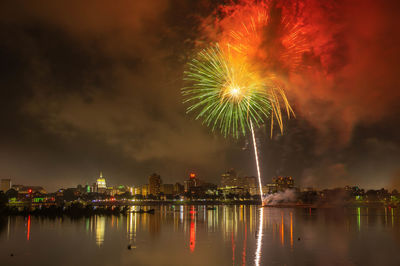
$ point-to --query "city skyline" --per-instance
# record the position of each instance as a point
(225, 179)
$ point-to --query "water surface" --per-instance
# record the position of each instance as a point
(193, 235)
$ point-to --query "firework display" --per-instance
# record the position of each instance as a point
(239, 81)
(242, 78)
(227, 93)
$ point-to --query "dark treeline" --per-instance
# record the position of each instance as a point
(73, 210)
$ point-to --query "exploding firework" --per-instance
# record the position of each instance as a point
(267, 34)
(226, 92)
(229, 93)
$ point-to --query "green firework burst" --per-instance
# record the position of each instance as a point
(225, 92)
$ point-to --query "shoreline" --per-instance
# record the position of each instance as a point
(79, 209)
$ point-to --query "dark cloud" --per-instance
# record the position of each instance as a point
(90, 86)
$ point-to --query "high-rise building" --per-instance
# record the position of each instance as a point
(5, 185)
(249, 183)
(178, 188)
(190, 183)
(137, 191)
(280, 183)
(154, 184)
(101, 184)
(145, 190)
(230, 179)
(167, 189)
(93, 187)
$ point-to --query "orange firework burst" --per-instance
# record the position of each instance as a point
(265, 33)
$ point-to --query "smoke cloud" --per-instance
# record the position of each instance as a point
(289, 195)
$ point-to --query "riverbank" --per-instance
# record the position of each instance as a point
(80, 209)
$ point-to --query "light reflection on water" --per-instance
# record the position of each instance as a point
(100, 225)
(259, 238)
(195, 235)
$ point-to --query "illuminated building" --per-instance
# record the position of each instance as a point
(230, 179)
(167, 189)
(178, 188)
(93, 187)
(38, 200)
(5, 184)
(145, 190)
(154, 184)
(101, 184)
(270, 188)
(28, 189)
(280, 183)
(191, 182)
(249, 183)
(138, 191)
(121, 189)
(239, 191)
(231, 183)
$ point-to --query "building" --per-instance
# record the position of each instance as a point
(118, 190)
(101, 186)
(230, 179)
(249, 183)
(145, 190)
(137, 191)
(178, 188)
(29, 189)
(167, 189)
(5, 185)
(280, 183)
(154, 184)
(190, 183)
(270, 188)
(234, 191)
(93, 187)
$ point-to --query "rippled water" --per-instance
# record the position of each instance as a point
(193, 235)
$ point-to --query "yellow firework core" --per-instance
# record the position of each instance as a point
(241, 79)
(235, 91)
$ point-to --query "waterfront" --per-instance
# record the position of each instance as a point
(193, 235)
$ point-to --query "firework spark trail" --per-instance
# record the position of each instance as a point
(256, 156)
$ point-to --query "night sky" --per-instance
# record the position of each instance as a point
(90, 86)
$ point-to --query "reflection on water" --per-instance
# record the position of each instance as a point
(238, 235)
(192, 229)
(28, 230)
(100, 222)
(259, 238)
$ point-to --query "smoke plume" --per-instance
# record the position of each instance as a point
(289, 195)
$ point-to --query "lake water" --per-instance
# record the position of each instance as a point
(193, 235)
